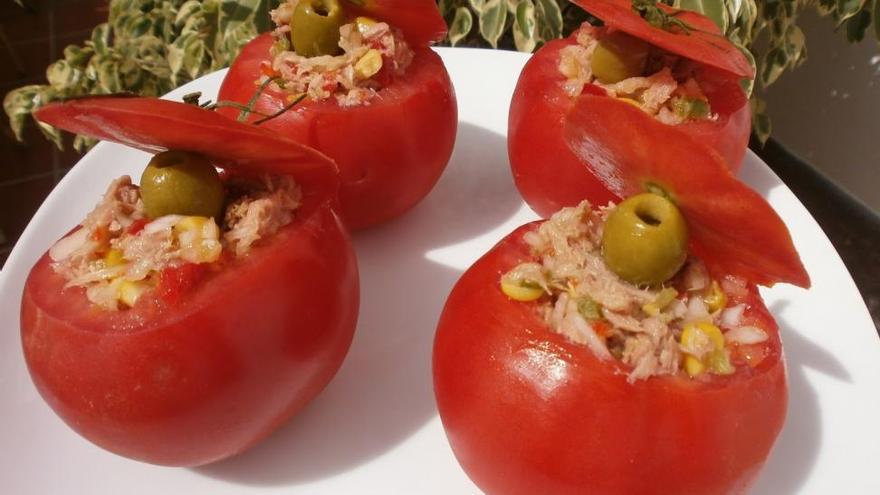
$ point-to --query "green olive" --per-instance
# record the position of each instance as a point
(315, 27)
(619, 56)
(645, 239)
(181, 183)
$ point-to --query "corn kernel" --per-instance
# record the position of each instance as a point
(717, 360)
(520, 292)
(114, 257)
(198, 238)
(714, 334)
(369, 64)
(364, 23)
(716, 299)
(129, 292)
(693, 366)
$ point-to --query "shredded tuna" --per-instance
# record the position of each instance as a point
(256, 216)
(646, 324)
(115, 264)
(371, 55)
(663, 94)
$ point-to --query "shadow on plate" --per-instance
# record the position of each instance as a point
(384, 393)
(797, 448)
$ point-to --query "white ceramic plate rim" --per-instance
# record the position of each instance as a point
(384, 436)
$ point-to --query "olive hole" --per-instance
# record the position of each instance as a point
(321, 9)
(647, 217)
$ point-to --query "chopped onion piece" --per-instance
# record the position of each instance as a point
(696, 310)
(746, 335)
(576, 327)
(66, 246)
(732, 316)
(162, 223)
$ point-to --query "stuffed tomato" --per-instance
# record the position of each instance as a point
(685, 75)
(186, 319)
(377, 99)
(622, 349)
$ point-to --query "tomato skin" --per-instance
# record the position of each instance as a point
(208, 377)
(547, 173)
(526, 411)
(390, 152)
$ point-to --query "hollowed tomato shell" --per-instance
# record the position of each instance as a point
(390, 152)
(526, 411)
(550, 177)
(206, 378)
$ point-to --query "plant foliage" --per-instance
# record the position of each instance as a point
(152, 46)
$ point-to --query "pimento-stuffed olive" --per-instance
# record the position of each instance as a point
(565, 364)
(178, 335)
(376, 98)
(681, 72)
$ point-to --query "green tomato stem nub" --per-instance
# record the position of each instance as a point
(645, 240)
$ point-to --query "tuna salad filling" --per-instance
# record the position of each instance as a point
(371, 55)
(691, 324)
(662, 85)
(119, 254)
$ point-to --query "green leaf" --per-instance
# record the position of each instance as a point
(760, 120)
(492, 20)
(479, 6)
(101, 39)
(461, 25)
(713, 9)
(445, 7)
(848, 8)
(524, 27)
(857, 25)
(748, 85)
(548, 20)
(19, 103)
(876, 16)
(774, 63)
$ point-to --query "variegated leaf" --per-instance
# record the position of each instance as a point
(848, 8)
(446, 7)
(713, 9)
(461, 25)
(524, 27)
(18, 105)
(492, 20)
(479, 6)
(548, 20)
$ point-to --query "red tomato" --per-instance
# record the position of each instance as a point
(548, 175)
(526, 411)
(244, 349)
(731, 226)
(390, 152)
(420, 20)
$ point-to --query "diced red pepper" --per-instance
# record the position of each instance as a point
(137, 226)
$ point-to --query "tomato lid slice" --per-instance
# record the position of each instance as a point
(731, 226)
(420, 20)
(154, 125)
(703, 42)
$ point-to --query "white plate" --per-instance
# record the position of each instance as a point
(375, 429)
